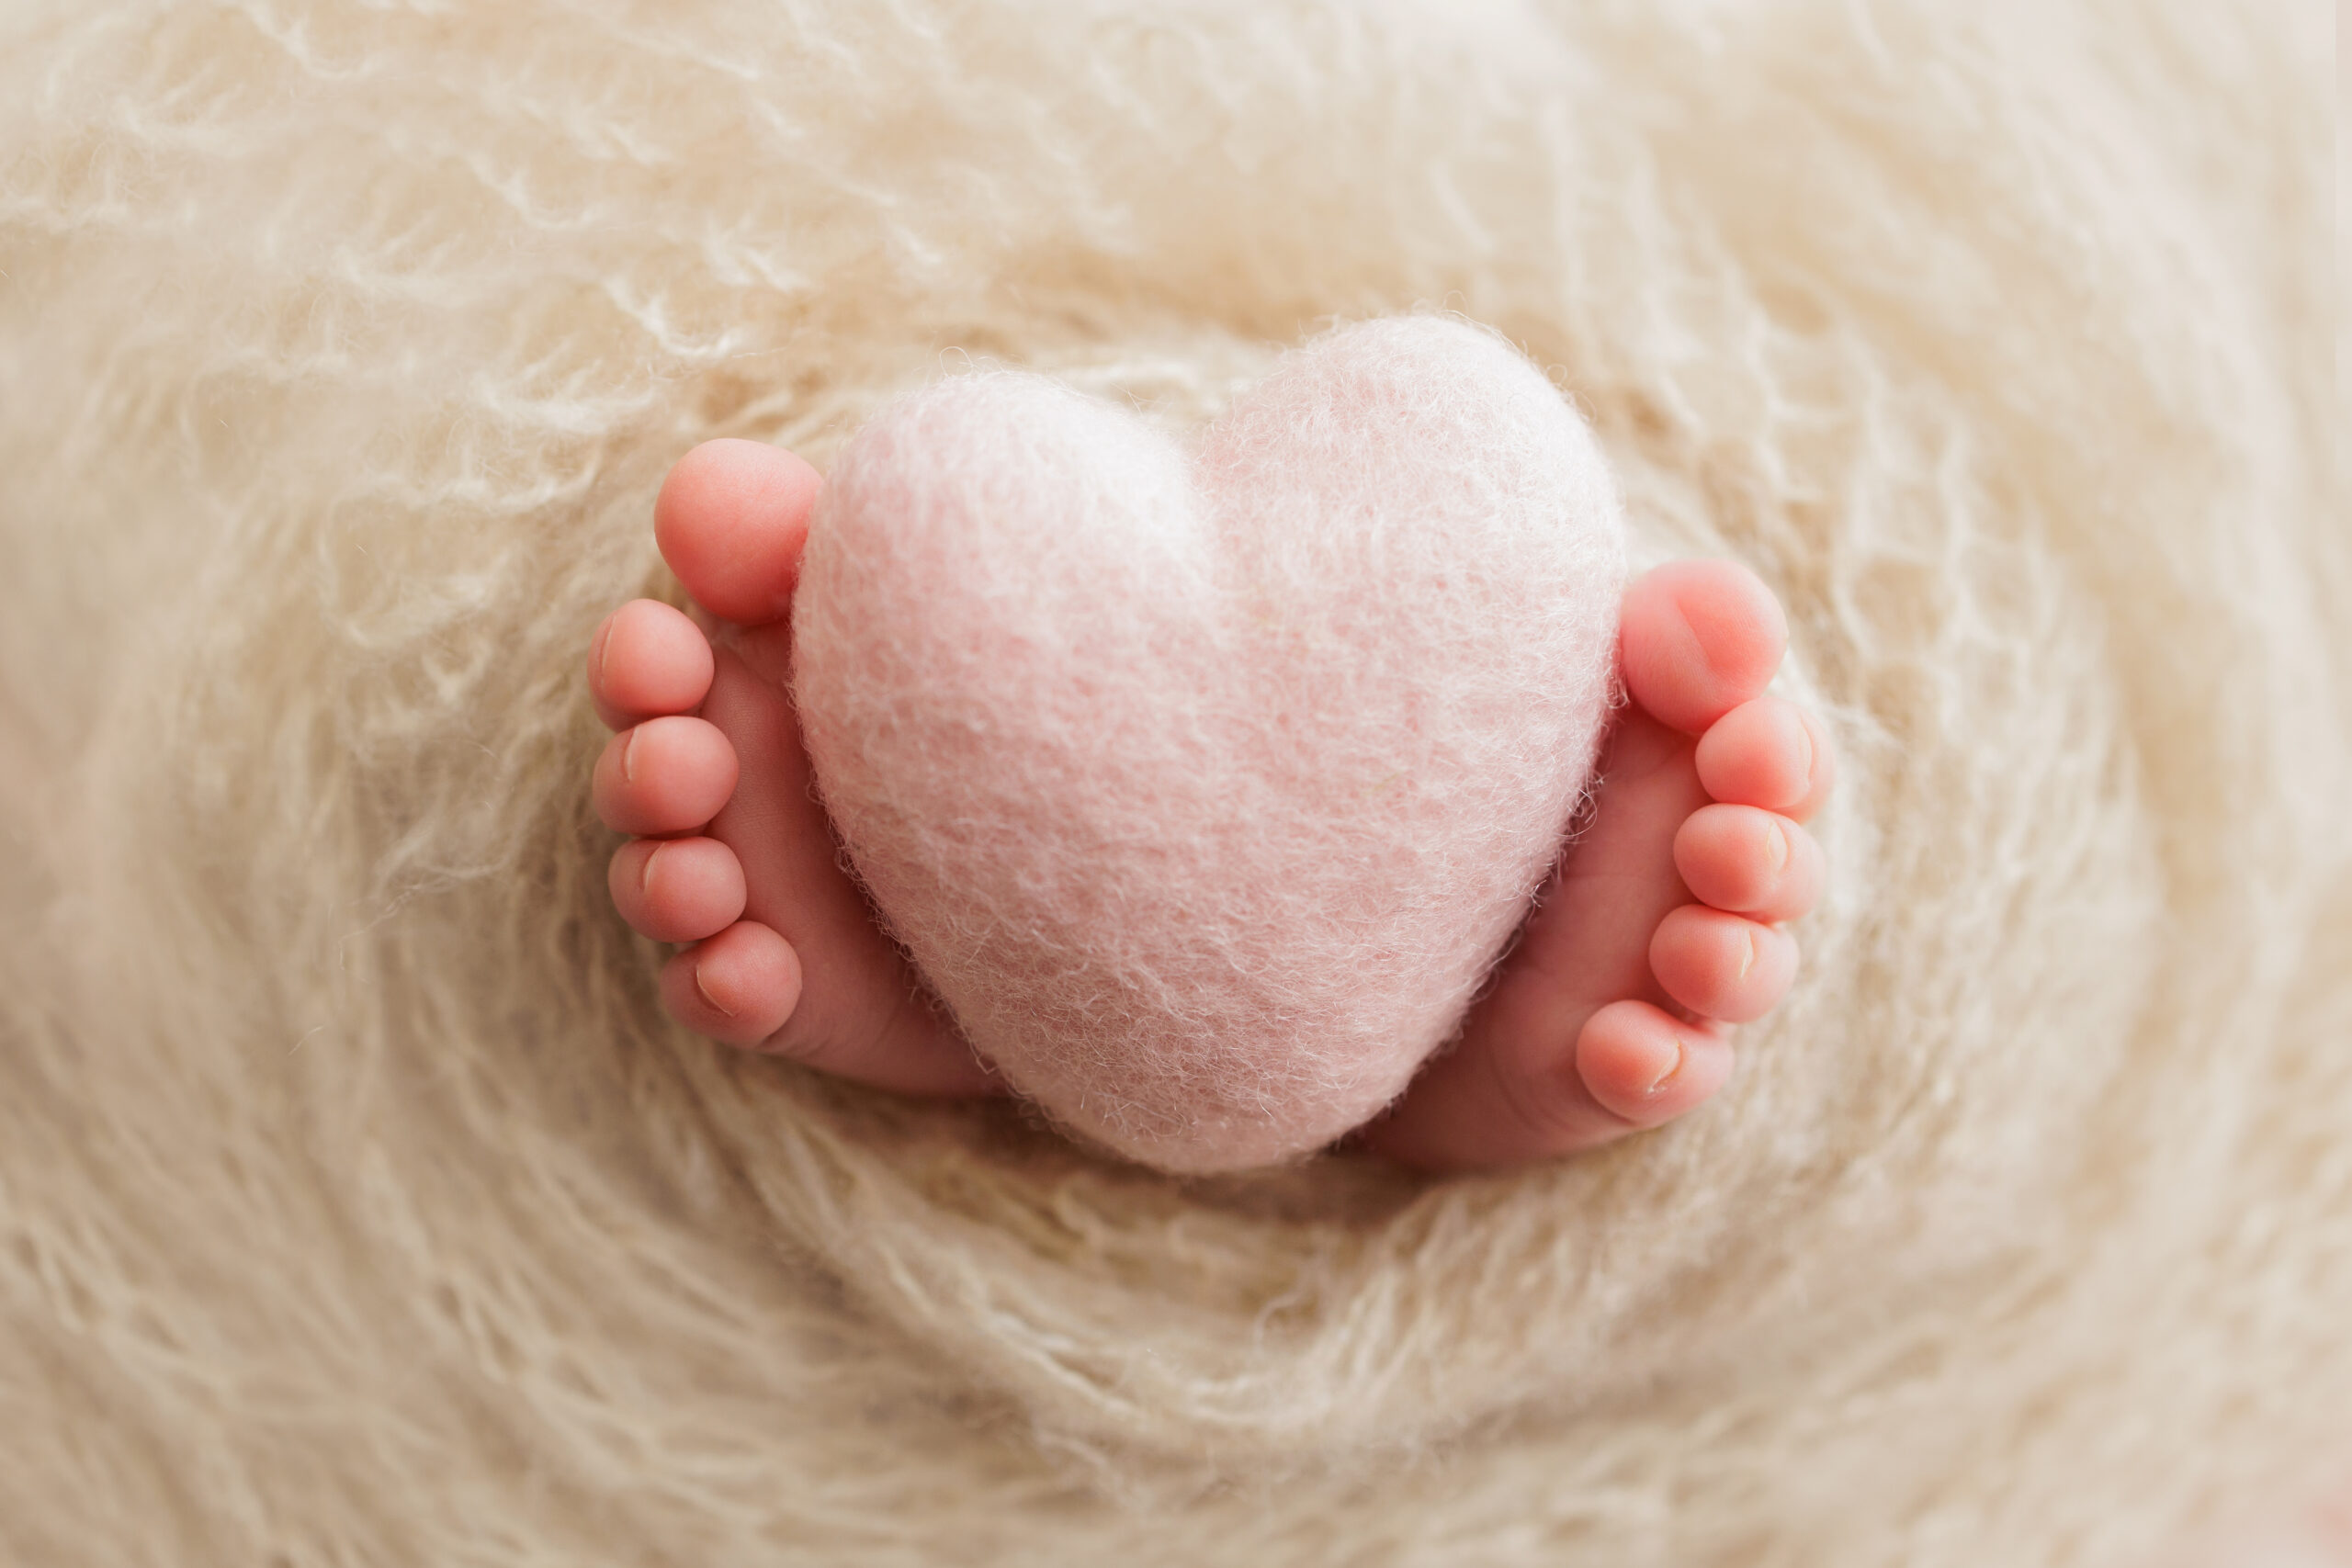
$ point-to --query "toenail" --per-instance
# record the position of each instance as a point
(645, 885)
(719, 1006)
(1776, 845)
(628, 755)
(1747, 952)
(1672, 1068)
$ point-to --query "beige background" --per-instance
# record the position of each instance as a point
(357, 1206)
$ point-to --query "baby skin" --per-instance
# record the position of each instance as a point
(1659, 931)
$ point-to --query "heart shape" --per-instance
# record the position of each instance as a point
(1204, 782)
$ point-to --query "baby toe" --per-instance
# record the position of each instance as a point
(1767, 752)
(739, 987)
(1750, 861)
(647, 660)
(666, 775)
(1697, 638)
(1720, 965)
(677, 889)
(1645, 1067)
(731, 520)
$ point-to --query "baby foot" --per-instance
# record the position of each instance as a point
(1666, 902)
(1660, 928)
(733, 854)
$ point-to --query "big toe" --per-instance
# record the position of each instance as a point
(1697, 639)
(732, 518)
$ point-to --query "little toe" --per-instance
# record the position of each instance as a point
(677, 889)
(731, 520)
(739, 987)
(647, 660)
(1647, 1068)
(1697, 638)
(666, 775)
(1752, 863)
(1720, 965)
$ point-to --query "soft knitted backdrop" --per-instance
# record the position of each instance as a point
(360, 1207)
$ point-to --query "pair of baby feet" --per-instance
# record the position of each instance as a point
(1659, 931)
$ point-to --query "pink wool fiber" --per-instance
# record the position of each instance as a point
(1204, 782)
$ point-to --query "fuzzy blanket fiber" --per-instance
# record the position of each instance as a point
(359, 1206)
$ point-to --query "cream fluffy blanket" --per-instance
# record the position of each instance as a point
(356, 1204)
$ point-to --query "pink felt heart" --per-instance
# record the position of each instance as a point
(1204, 782)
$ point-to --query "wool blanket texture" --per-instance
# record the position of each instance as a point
(358, 1205)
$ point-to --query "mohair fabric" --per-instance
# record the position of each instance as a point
(1204, 783)
(358, 1206)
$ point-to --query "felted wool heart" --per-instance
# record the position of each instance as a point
(1205, 781)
